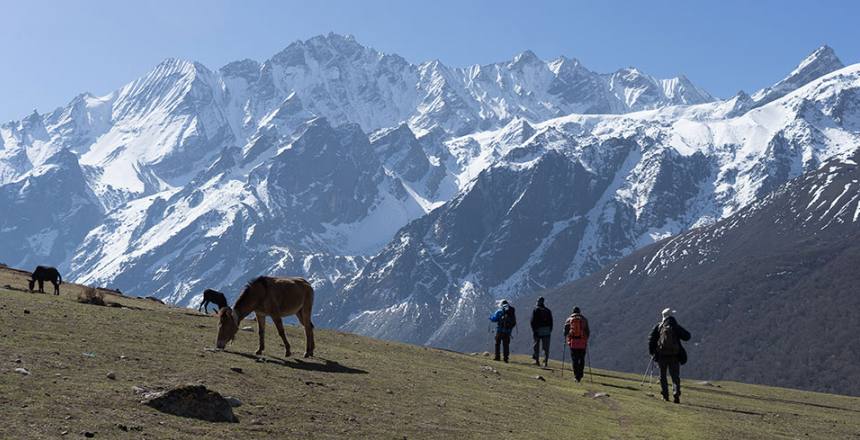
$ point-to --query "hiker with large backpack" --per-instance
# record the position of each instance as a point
(576, 333)
(665, 348)
(541, 329)
(506, 319)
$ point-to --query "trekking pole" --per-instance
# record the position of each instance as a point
(651, 379)
(647, 369)
(563, 350)
(588, 358)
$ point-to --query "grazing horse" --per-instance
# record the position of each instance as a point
(212, 297)
(270, 296)
(46, 273)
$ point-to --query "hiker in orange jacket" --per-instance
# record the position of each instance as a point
(576, 333)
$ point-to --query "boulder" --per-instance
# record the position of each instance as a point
(192, 401)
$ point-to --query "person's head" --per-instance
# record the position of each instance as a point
(667, 312)
(503, 303)
(540, 302)
(576, 310)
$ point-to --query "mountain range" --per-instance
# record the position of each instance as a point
(769, 293)
(413, 196)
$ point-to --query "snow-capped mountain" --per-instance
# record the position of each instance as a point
(411, 195)
(768, 293)
(163, 137)
(561, 199)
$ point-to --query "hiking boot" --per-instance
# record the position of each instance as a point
(545, 362)
(666, 397)
(537, 362)
(677, 399)
(506, 361)
(497, 358)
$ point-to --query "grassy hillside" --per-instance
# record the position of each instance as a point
(356, 387)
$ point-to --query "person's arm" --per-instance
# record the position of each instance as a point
(652, 340)
(533, 320)
(495, 316)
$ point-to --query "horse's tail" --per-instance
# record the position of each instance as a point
(309, 303)
(59, 278)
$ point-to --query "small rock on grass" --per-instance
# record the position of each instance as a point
(540, 378)
(489, 369)
(111, 375)
(237, 369)
(23, 371)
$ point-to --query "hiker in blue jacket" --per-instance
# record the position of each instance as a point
(506, 319)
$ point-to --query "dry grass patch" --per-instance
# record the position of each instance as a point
(90, 295)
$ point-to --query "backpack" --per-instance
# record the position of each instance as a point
(576, 338)
(543, 317)
(508, 320)
(668, 343)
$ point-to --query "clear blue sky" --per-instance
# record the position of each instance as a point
(51, 51)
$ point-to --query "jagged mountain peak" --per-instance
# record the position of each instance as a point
(817, 64)
(823, 58)
(524, 58)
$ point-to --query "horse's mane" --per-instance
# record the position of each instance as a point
(261, 280)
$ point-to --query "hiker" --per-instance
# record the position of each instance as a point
(541, 329)
(576, 332)
(506, 319)
(665, 348)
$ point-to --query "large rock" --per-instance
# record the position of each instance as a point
(193, 401)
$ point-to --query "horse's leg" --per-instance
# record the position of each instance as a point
(41, 286)
(305, 319)
(280, 327)
(56, 288)
(261, 326)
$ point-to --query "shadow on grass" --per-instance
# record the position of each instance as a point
(327, 366)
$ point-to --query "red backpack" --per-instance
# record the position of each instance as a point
(576, 337)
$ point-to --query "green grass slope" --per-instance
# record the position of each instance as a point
(355, 388)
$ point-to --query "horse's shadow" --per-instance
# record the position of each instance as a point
(328, 366)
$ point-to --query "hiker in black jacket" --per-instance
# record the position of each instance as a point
(665, 347)
(541, 329)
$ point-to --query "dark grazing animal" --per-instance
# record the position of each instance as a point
(46, 273)
(212, 297)
(270, 296)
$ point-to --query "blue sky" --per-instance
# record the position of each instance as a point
(54, 50)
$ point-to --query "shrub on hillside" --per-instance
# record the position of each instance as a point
(89, 295)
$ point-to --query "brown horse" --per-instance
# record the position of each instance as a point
(270, 296)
